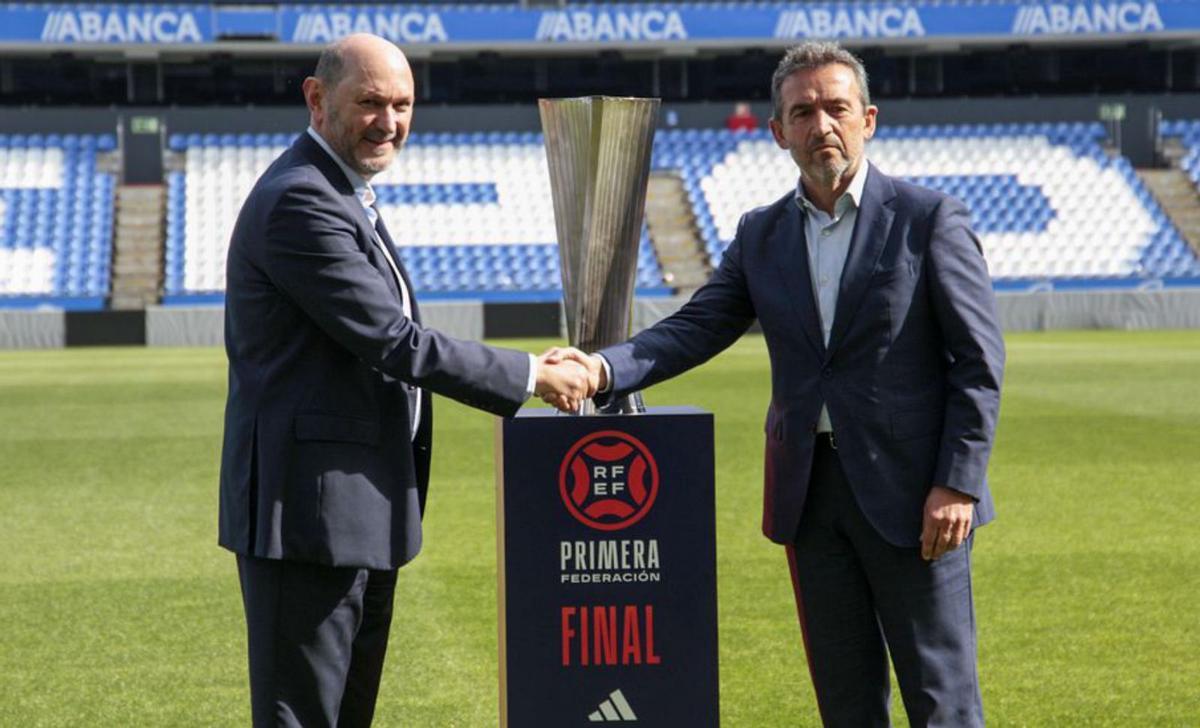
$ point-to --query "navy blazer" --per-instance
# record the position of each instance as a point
(319, 462)
(912, 372)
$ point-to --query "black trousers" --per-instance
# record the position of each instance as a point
(860, 598)
(316, 637)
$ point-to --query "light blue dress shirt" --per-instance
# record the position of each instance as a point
(828, 241)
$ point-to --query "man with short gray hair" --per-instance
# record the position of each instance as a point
(886, 363)
(810, 56)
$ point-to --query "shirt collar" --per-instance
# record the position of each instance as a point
(362, 189)
(852, 195)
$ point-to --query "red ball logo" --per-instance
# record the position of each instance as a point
(608, 480)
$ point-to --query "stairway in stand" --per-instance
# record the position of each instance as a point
(672, 226)
(1179, 200)
(138, 254)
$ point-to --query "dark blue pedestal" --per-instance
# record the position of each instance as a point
(608, 602)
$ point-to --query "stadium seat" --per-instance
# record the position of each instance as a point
(471, 212)
(56, 222)
(1046, 200)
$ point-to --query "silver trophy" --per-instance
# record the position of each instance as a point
(598, 151)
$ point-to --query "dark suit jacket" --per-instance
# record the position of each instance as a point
(912, 372)
(319, 462)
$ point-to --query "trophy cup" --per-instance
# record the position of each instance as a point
(587, 635)
(598, 150)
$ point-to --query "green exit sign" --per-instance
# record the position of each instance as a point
(144, 125)
(1112, 112)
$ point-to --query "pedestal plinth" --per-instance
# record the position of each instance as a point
(606, 542)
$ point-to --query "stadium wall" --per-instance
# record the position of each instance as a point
(203, 326)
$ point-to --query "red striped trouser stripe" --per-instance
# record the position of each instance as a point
(791, 555)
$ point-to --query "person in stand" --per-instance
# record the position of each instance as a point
(742, 118)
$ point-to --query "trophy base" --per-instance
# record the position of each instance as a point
(630, 404)
(564, 501)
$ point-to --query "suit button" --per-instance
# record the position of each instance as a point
(827, 373)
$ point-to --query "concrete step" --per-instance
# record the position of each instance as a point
(134, 298)
(146, 280)
(674, 218)
(140, 210)
(142, 192)
(149, 255)
(1179, 200)
(140, 195)
(141, 288)
(676, 236)
(132, 268)
(130, 301)
(140, 216)
(672, 226)
(137, 264)
(140, 253)
(677, 259)
(138, 234)
(141, 275)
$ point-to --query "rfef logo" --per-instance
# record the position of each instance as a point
(608, 480)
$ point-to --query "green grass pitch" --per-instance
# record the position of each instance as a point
(118, 609)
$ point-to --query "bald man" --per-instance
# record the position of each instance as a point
(328, 423)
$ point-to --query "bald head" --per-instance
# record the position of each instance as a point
(360, 100)
(355, 50)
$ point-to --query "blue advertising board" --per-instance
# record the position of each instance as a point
(111, 24)
(649, 24)
(608, 602)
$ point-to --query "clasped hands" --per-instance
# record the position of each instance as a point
(566, 377)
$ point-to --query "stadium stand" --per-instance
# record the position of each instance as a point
(56, 220)
(1188, 133)
(471, 212)
(1048, 201)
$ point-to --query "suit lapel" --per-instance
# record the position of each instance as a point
(311, 150)
(387, 240)
(374, 254)
(350, 202)
(789, 239)
(871, 228)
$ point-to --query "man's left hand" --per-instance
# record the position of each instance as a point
(946, 522)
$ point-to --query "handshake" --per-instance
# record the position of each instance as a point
(566, 377)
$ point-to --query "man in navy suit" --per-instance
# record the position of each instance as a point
(886, 362)
(328, 423)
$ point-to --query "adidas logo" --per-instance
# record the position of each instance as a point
(614, 710)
